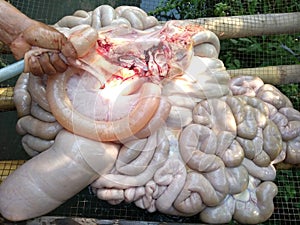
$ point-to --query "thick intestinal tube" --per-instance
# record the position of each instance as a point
(79, 124)
(54, 176)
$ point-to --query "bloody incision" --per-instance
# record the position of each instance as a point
(154, 56)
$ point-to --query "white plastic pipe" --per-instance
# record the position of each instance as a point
(12, 70)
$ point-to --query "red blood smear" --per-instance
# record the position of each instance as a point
(104, 46)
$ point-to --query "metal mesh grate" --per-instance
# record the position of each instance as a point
(236, 53)
(287, 202)
(7, 167)
(287, 205)
(85, 204)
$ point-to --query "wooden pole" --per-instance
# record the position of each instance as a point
(243, 26)
(284, 74)
(6, 99)
(251, 25)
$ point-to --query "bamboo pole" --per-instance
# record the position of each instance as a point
(286, 166)
(242, 26)
(275, 75)
(6, 99)
(251, 25)
(283, 74)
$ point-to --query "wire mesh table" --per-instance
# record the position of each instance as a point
(86, 205)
